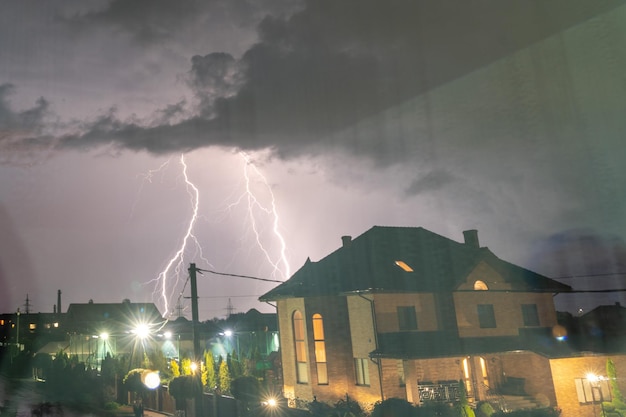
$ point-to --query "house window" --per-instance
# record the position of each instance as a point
(592, 391)
(302, 375)
(320, 349)
(361, 366)
(404, 266)
(480, 286)
(486, 316)
(530, 315)
(407, 319)
(32, 326)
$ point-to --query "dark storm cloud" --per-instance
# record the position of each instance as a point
(151, 21)
(217, 75)
(27, 120)
(147, 20)
(432, 181)
(580, 252)
(326, 67)
(587, 260)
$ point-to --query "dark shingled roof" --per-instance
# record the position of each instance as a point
(367, 263)
(93, 317)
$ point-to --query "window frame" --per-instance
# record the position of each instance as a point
(486, 316)
(361, 372)
(530, 315)
(407, 318)
(299, 340)
(321, 358)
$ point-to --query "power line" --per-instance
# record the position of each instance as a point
(238, 276)
(607, 274)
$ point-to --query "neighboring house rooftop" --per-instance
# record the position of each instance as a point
(370, 263)
(115, 316)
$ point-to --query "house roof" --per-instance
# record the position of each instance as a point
(368, 263)
(91, 316)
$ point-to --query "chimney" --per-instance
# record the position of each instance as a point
(471, 238)
(346, 241)
(59, 301)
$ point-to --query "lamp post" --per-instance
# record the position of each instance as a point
(104, 336)
(595, 383)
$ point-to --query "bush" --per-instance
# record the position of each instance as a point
(111, 405)
(245, 388)
(431, 409)
(539, 412)
(319, 409)
(484, 409)
(393, 407)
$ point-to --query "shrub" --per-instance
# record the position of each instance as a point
(484, 409)
(319, 409)
(539, 412)
(393, 407)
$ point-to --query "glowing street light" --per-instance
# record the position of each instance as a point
(142, 331)
(104, 336)
(594, 381)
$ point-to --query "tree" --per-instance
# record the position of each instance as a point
(235, 366)
(133, 381)
(209, 376)
(611, 373)
(175, 368)
(224, 378)
(463, 407)
(185, 365)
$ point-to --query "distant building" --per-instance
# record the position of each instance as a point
(404, 312)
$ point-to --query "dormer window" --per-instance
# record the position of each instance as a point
(404, 266)
(480, 286)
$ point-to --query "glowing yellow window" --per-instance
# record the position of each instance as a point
(404, 266)
(480, 286)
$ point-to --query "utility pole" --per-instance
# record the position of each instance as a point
(196, 338)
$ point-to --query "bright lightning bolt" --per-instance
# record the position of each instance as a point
(176, 264)
(253, 202)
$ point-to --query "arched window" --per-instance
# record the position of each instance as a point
(480, 286)
(302, 375)
(320, 349)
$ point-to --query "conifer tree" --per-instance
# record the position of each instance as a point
(185, 365)
(175, 368)
(225, 378)
(209, 376)
(611, 373)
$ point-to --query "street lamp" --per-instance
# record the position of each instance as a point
(595, 382)
(104, 336)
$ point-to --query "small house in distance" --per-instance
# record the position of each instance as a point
(404, 312)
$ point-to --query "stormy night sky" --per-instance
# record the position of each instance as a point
(279, 126)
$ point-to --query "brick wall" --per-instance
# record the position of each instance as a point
(387, 313)
(535, 370)
(292, 388)
(507, 309)
(565, 371)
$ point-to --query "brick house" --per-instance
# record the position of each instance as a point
(404, 312)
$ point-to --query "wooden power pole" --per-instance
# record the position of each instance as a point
(196, 337)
